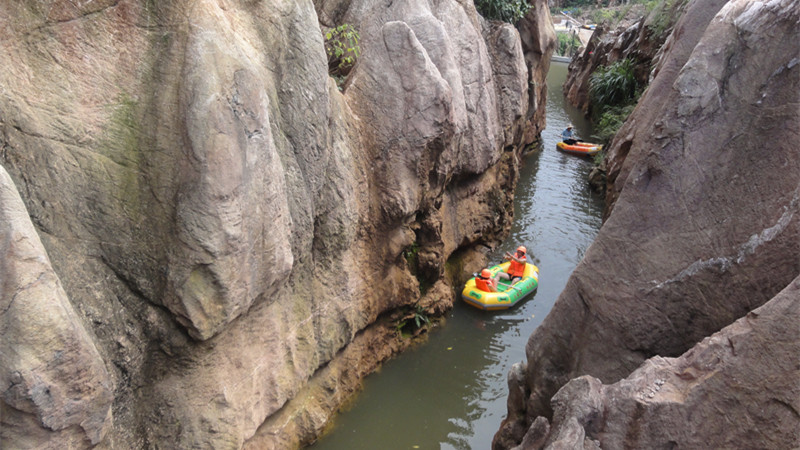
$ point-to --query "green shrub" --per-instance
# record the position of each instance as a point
(604, 16)
(568, 44)
(611, 121)
(613, 92)
(341, 45)
(613, 85)
(506, 10)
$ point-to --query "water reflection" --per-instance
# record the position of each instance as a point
(451, 392)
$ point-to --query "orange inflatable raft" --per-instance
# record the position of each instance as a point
(579, 148)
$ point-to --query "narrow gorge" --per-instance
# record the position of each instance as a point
(207, 241)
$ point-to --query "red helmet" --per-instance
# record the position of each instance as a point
(485, 273)
(522, 250)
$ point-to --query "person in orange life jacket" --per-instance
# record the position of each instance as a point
(517, 266)
(485, 282)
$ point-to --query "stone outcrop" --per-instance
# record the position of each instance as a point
(53, 380)
(739, 388)
(673, 56)
(232, 233)
(706, 220)
(536, 31)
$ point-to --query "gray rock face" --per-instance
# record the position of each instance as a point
(231, 193)
(748, 373)
(225, 221)
(536, 32)
(670, 60)
(53, 381)
(706, 225)
(430, 77)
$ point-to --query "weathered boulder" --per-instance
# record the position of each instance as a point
(510, 70)
(739, 388)
(232, 219)
(698, 237)
(53, 381)
(226, 222)
(538, 44)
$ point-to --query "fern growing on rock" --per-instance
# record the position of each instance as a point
(614, 85)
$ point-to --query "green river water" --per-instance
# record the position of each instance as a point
(450, 392)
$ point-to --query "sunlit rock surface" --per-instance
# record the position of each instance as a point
(52, 379)
(705, 228)
(235, 234)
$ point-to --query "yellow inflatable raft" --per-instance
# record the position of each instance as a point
(508, 295)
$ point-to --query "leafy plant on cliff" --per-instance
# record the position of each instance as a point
(412, 323)
(341, 46)
(505, 10)
(420, 316)
(598, 158)
(614, 92)
(610, 121)
(410, 254)
(568, 44)
(614, 85)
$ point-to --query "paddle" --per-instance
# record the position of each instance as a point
(508, 286)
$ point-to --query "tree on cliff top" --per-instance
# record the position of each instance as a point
(506, 10)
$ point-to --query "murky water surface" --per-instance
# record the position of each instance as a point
(450, 392)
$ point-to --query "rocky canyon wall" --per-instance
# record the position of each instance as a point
(704, 229)
(205, 242)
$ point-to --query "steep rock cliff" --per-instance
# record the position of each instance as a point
(739, 388)
(704, 230)
(52, 372)
(230, 231)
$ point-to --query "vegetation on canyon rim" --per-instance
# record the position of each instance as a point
(568, 44)
(602, 12)
(614, 89)
(505, 10)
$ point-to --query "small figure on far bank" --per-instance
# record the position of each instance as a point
(517, 266)
(485, 282)
(568, 136)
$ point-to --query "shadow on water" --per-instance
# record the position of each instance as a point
(451, 391)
